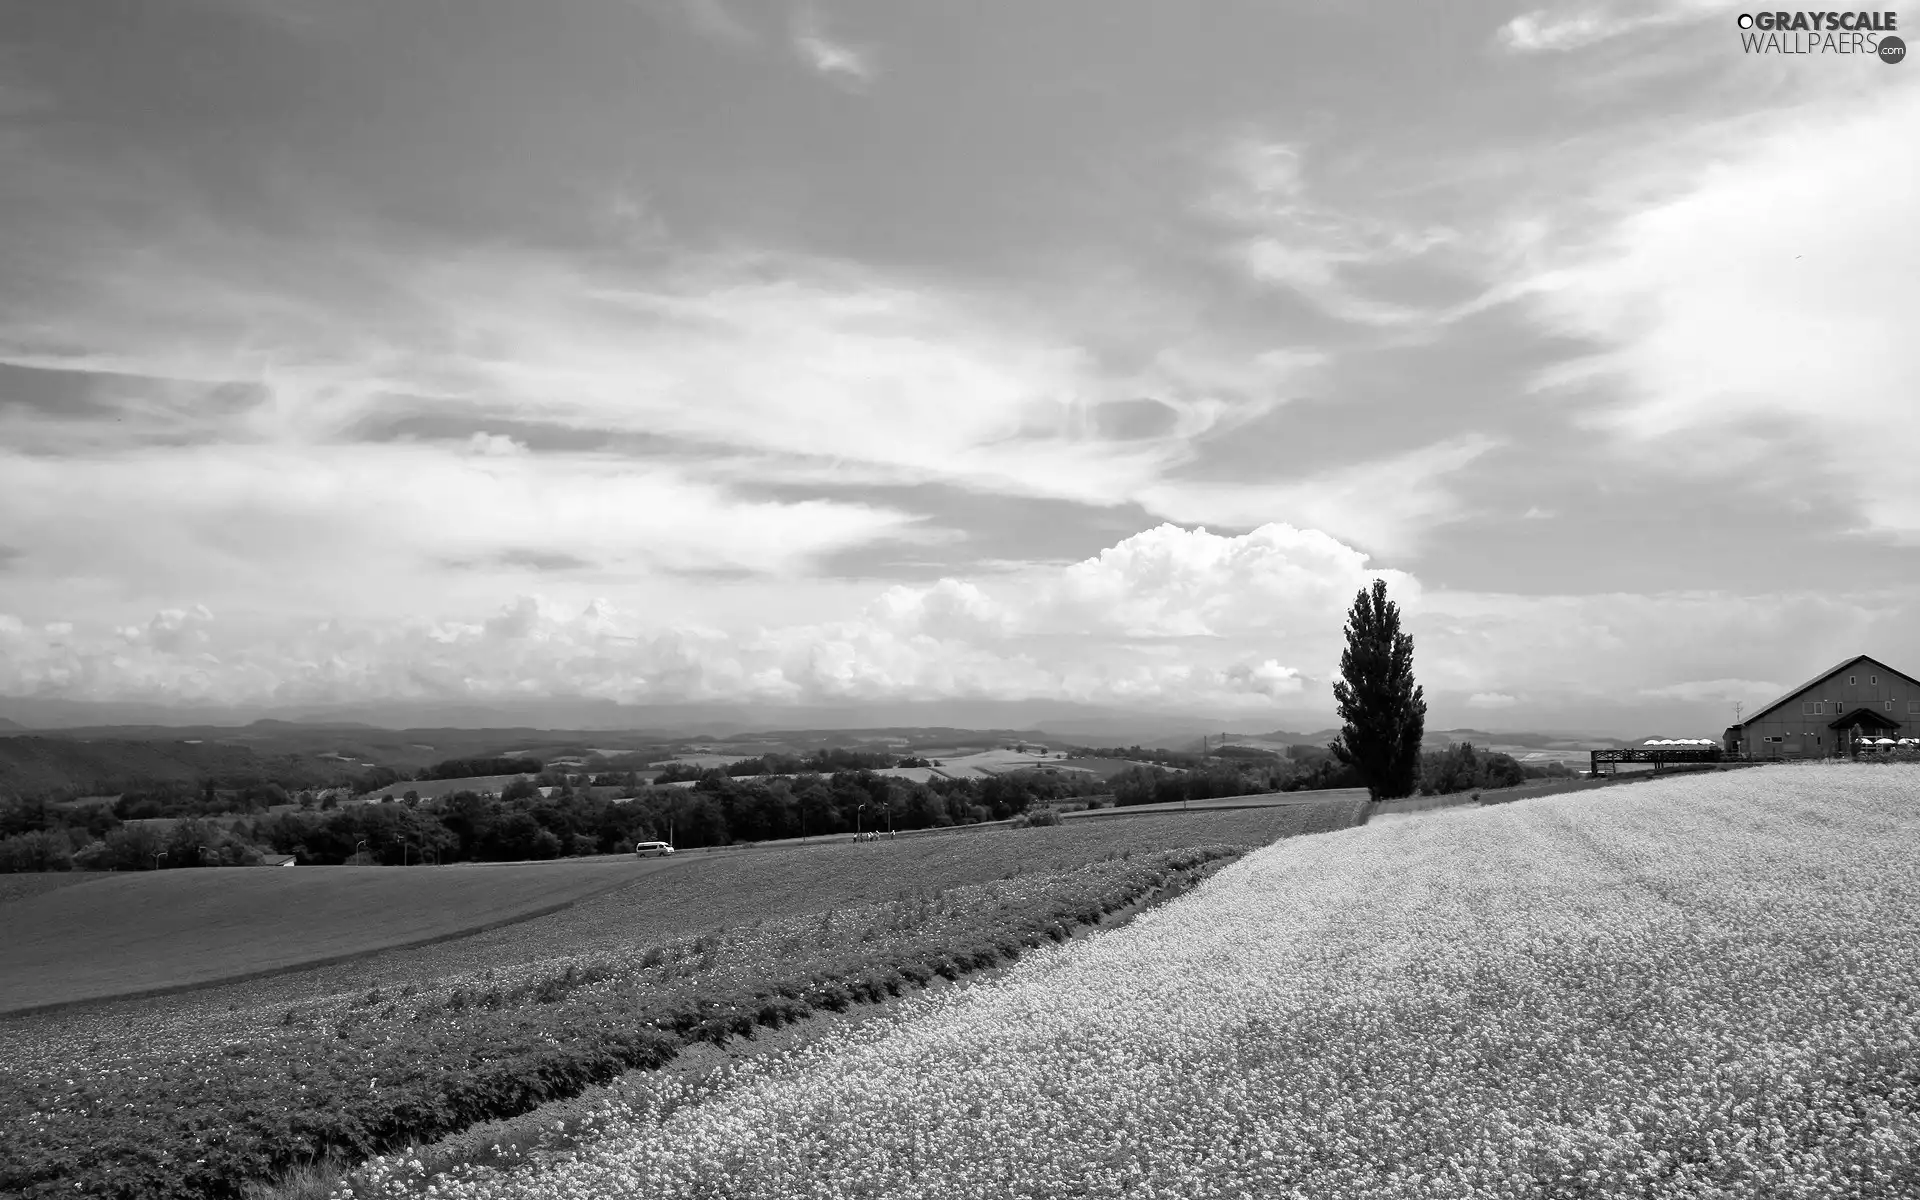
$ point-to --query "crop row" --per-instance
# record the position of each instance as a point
(355, 1075)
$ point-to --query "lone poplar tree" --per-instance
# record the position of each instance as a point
(1382, 710)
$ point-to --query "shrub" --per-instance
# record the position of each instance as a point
(41, 850)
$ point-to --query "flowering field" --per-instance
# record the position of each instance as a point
(1704, 986)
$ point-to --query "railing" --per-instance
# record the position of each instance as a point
(1661, 756)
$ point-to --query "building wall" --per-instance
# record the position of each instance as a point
(1805, 735)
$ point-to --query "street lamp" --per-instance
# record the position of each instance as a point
(156, 859)
(859, 810)
(357, 845)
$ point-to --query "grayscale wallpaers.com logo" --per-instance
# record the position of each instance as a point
(1823, 33)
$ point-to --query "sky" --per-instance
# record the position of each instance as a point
(710, 351)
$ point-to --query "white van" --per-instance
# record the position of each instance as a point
(651, 849)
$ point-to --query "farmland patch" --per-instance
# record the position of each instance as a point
(142, 931)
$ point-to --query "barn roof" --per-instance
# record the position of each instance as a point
(1833, 670)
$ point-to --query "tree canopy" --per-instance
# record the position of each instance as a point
(1382, 710)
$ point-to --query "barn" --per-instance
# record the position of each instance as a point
(1860, 698)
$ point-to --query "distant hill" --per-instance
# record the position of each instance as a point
(1434, 739)
(1058, 720)
(6, 724)
(32, 766)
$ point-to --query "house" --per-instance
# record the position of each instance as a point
(277, 860)
(1860, 698)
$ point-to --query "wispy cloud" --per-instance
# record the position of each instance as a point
(713, 19)
(1723, 318)
(1749, 690)
(1543, 31)
(828, 55)
(1384, 504)
(1291, 240)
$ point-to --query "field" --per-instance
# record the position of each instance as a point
(140, 931)
(432, 788)
(489, 1025)
(993, 762)
(26, 885)
(1702, 986)
(1258, 800)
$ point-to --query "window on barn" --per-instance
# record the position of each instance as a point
(1889, 706)
(1873, 680)
(1812, 708)
(1913, 708)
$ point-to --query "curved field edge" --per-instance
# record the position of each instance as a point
(562, 1123)
(334, 960)
(25, 885)
(513, 1048)
(1702, 987)
(62, 953)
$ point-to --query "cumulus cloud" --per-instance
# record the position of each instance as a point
(495, 445)
(1171, 618)
(1095, 630)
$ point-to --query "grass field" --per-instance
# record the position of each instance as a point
(140, 931)
(28, 884)
(1260, 800)
(1701, 986)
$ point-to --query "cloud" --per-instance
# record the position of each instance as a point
(370, 526)
(1290, 240)
(828, 55)
(1544, 31)
(1385, 504)
(1610, 646)
(1717, 689)
(1170, 618)
(1099, 629)
(1768, 332)
(495, 445)
(714, 20)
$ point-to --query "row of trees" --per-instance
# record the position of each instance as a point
(521, 824)
(138, 846)
(822, 762)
